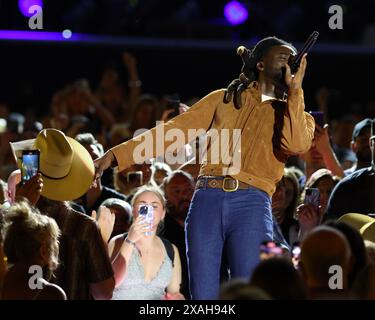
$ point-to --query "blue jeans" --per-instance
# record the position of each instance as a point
(241, 220)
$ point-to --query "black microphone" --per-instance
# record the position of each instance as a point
(295, 61)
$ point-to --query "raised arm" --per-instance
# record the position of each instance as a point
(298, 129)
(155, 141)
(323, 146)
(120, 250)
(135, 83)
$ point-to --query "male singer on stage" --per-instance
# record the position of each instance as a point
(230, 213)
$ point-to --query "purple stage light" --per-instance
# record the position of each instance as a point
(235, 12)
(24, 6)
(40, 35)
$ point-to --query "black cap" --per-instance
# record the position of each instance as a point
(264, 45)
(366, 123)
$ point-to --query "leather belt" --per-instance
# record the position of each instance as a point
(228, 184)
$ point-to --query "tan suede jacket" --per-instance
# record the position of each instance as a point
(270, 132)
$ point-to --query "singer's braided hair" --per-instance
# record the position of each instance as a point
(249, 71)
(248, 74)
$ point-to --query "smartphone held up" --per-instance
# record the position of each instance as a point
(30, 164)
(312, 196)
(147, 212)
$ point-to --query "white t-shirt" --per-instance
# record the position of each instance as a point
(265, 97)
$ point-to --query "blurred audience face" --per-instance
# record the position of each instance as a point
(342, 132)
(159, 176)
(76, 95)
(13, 179)
(78, 106)
(282, 198)
(109, 78)
(144, 116)
(178, 192)
(325, 186)
(113, 98)
(361, 146)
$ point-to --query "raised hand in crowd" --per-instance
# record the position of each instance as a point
(137, 229)
(135, 84)
(308, 218)
(31, 189)
(129, 61)
(103, 163)
(106, 221)
(323, 146)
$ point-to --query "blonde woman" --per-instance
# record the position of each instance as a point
(146, 267)
(32, 248)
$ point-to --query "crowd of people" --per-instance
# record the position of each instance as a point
(82, 232)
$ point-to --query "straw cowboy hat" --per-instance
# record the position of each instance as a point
(66, 166)
(361, 222)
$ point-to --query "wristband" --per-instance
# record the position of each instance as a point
(134, 245)
(130, 242)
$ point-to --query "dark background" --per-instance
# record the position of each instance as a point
(32, 71)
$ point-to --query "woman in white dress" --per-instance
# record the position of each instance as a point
(146, 267)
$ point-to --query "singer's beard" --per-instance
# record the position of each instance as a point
(277, 76)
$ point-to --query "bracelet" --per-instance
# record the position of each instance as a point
(130, 242)
(134, 245)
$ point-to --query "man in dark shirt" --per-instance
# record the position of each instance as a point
(356, 192)
(360, 145)
(178, 188)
